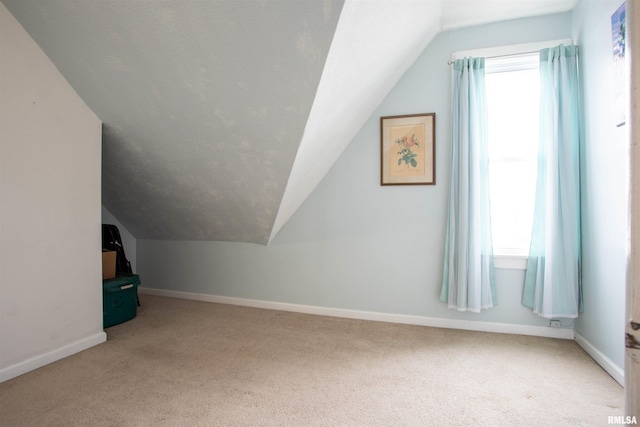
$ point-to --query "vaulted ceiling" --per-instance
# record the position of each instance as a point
(221, 116)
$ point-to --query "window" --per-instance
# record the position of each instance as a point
(512, 85)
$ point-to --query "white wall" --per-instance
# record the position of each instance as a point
(50, 263)
(605, 158)
(354, 244)
(128, 241)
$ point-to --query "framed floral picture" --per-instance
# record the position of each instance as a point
(408, 149)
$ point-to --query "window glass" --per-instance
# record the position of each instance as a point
(513, 109)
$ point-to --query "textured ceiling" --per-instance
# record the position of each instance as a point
(207, 103)
(204, 103)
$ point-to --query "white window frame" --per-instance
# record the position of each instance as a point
(507, 260)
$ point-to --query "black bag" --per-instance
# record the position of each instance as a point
(111, 241)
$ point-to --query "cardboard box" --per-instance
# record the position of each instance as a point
(108, 265)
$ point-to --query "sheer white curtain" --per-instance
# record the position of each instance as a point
(552, 283)
(468, 282)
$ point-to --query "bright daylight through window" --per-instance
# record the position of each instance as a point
(512, 87)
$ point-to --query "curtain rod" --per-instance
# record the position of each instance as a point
(502, 56)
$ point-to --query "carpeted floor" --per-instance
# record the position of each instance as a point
(188, 363)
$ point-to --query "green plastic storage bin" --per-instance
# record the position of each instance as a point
(119, 299)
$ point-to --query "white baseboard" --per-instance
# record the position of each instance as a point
(503, 328)
(51, 356)
(607, 364)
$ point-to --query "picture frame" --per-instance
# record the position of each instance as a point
(620, 72)
(408, 149)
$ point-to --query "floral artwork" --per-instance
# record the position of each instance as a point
(408, 149)
(409, 158)
(406, 155)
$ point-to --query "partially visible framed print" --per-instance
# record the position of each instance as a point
(408, 149)
(620, 82)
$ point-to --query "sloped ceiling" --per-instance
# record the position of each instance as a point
(221, 116)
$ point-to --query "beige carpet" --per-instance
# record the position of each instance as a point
(186, 363)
